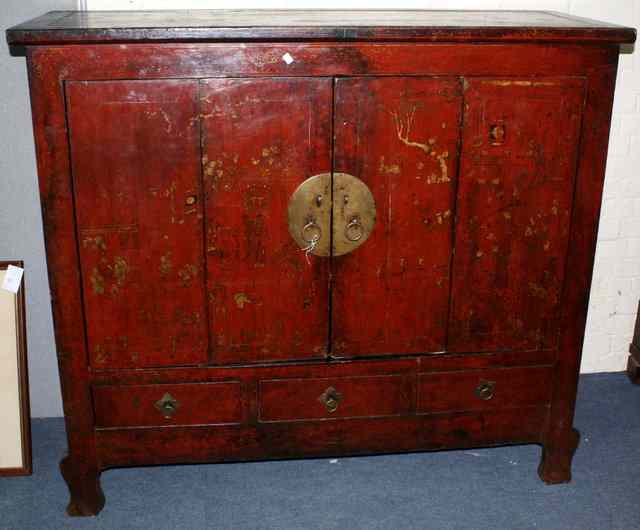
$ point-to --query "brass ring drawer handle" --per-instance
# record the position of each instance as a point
(485, 389)
(330, 398)
(167, 405)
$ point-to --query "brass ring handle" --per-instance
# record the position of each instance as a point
(169, 409)
(485, 389)
(167, 405)
(313, 230)
(330, 398)
(331, 404)
(354, 230)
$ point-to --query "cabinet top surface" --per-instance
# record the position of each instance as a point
(59, 27)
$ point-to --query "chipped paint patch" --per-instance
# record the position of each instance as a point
(441, 217)
(120, 270)
(165, 118)
(391, 169)
(403, 132)
(518, 82)
(187, 273)
(165, 264)
(216, 170)
(97, 281)
(538, 291)
(97, 243)
(241, 300)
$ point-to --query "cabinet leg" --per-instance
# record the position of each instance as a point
(555, 466)
(86, 494)
(633, 366)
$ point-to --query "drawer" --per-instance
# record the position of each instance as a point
(484, 389)
(170, 404)
(340, 397)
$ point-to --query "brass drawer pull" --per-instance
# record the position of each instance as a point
(484, 390)
(167, 405)
(330, 398)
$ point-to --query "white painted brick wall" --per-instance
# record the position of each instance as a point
(616, 284)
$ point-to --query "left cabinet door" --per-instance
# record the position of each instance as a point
(135, 155)
(261, 138)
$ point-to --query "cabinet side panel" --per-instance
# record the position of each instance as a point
(136, 170)
(517, 169)
(50, 132)
(260, 139)
(560, 440)
(400, 137)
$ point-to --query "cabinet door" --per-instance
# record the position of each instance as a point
(137, 182)
(516, 185)
(261, 138)
(399, 136)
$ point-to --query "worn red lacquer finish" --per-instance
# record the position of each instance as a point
(518, 163)
(260, 139)
(400, 136)
(139, 219)
(191, 327)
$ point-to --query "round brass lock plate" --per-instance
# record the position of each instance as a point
(310, 210)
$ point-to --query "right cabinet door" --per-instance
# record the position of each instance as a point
(515, 191)
(400, 136)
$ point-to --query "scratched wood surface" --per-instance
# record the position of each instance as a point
(260, 140)
(399, 136)
(518, 163)
(136, 171)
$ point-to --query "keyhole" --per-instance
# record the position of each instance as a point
(497, 134)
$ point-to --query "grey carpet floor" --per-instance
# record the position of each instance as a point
(467, 489)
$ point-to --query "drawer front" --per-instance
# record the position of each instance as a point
(174, 404)
(345, 397)
(484, 389)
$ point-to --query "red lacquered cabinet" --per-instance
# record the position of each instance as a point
(284, 234)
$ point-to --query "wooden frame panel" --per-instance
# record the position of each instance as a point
(143, 61)
(22, 380)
